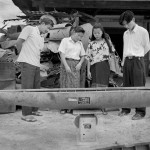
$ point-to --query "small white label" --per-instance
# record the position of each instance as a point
(72, 99)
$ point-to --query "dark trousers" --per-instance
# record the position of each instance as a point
(30, 79)
(134, 76)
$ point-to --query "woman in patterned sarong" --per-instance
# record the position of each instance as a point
(72, 56)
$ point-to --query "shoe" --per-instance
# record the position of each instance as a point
(28, 118)
(137, 116)
(63, 111)
(37, 113)
(104, 112)
(123, 113)
(70, 111)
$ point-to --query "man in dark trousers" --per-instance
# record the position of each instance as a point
(29, 44)
(136, 45)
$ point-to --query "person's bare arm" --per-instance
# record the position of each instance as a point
(63, 59)
(19, 44)
(78, 67)
(88, 70)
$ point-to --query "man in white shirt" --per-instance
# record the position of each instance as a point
(136, 45)
(29, 44)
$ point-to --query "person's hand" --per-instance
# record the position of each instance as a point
(112, 53)
(121, 68)
(122, 63)
(78, 66)
(68, 69)
(89, 75)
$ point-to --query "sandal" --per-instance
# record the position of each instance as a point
(138, 116)
(63, 111)
(28, 118)
(104, 112)
(37, 113)
(123, 113)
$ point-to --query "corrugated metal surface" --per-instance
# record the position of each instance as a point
(101, 4)
(7, 71)
(139, 146)
(7, 81)
(7, 75)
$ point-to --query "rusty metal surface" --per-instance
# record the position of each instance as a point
(7, 75)
(7, 71)
(84, 98)
(139, 146)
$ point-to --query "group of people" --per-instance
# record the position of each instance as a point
(72, 53)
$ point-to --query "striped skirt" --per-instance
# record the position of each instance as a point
(70, 80)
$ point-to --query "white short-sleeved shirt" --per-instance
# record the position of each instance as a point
(136, 42)
(34, 43)
(71, 49)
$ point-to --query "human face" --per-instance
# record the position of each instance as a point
(45, 28)
(77, 36)
(129, 25)
(97, 33)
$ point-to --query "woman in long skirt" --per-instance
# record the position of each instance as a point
(97, 54)
(72, 56)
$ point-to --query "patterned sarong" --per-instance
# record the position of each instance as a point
(70, 80)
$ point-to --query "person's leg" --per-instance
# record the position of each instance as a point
(63, 75)
(103, 77)
(93, 75)
(127, 70)
(36, 85)
(83, 74)
(27, 79)
(139, 80)
(73, 78)
(100, 73)
(63, 82)
(70, 80)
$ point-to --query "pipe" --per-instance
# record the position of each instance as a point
(81, 98)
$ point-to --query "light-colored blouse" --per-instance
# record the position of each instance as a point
(98, 51)
(71, 49)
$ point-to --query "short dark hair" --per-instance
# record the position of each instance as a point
(126, 16)
(78, 29)
(46, 20)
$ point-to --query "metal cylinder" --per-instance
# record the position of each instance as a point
(7, 75)
(85, 98)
